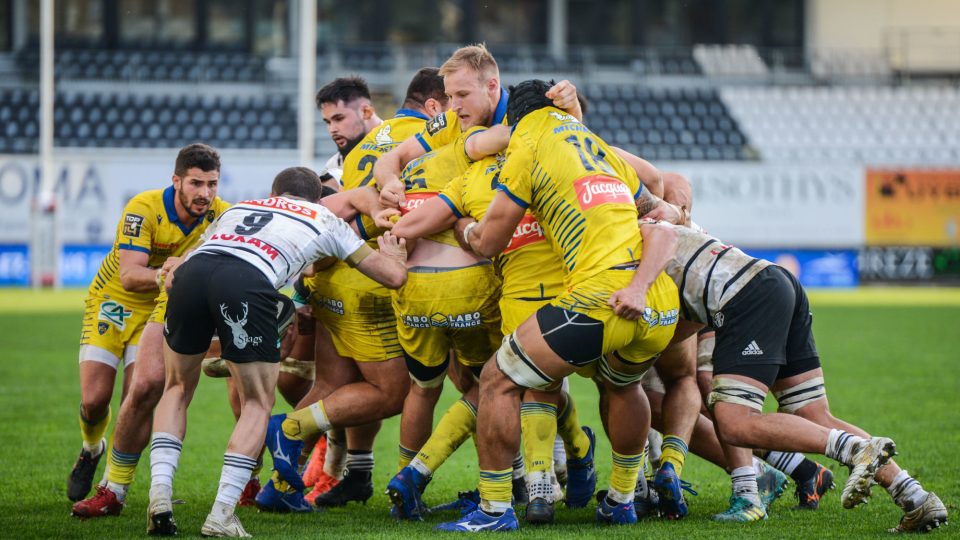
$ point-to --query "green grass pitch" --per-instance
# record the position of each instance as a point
(891, 358)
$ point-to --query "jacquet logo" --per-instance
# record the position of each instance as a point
(596, 190)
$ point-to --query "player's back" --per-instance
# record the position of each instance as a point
(581, 192)
(358, 165)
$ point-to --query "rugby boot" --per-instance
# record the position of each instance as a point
(924, 518)
(582, 476)
(104, 503)
(405, 489)
(81, 477)
(480, 521)
(868, 457)
(160, 520)
(229, 527)
(771, 485)
(741, 510)
(519, 489)
(539, 509)
(249, 495)
(355, 486)
(466, 503)
(810, 491)
(670, 490)
(324, 484)
(615, 513)
(314, 471)
(272, 499)
(284, 451)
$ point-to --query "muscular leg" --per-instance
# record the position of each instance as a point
(96, 389)
(680, 409)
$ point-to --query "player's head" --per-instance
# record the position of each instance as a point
(426, 92)
(347, 110)
(527, 97)
(471, 80)
(300, 182)
(196, 176)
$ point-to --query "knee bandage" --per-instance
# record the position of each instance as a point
(622, 377)
(736, 392)
(799, 396)
(305, 369)
(515, 364)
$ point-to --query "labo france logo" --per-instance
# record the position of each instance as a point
(596, 190)
(527, 232)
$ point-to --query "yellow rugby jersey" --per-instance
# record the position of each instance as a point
(358, 165)
(582, 193)
(150, 225)
(425, 176)
(444, 128)
(528, 266)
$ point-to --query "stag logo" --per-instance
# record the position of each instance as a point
(240, 336)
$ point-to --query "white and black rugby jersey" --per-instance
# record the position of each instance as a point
(280, 236)
(708, 273)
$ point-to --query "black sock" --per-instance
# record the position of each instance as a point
(804, 471)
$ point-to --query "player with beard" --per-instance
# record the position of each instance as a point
(349, 115)
(156, 226)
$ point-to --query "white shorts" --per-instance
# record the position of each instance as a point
(92, 353)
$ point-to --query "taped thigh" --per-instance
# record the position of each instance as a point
(730, 390)
(426, 376)
(800, 395)
(305, 369)
(520, 368)
(622, 376)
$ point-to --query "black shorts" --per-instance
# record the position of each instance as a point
(574, 337)
(230, 296)
(766, 331)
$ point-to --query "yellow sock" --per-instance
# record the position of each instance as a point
(307, 423)
(623, 474)
(674, 452)
(645, 462)
(496, 490)
(92, 431)
(406, 456)
(121, 467)
(538, 423)
(458, 423)
(575, 440)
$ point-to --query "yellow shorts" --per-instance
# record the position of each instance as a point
(637, 341)
(514, 311)
(113, 326)
(450, 309)
(357, 311)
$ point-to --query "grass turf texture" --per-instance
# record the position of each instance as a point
(890, 357)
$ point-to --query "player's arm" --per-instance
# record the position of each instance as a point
(388, 167)
(433, 216)
(347, 204)
(387, 266)
(487, 142)
(134, 240)
(492, 234)
(135, 275)
(659, 246)
(649, 175)
(564, 96)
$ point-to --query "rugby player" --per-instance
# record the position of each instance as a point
(764, 342)
(349, 114)
(229, 286)
(122, 311)
(583, 196)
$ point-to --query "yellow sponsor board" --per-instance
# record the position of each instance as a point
(910, 207)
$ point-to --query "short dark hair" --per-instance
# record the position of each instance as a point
(197, 155)
(527, 97)
(297, 181)
(345, 89)
(426, 84)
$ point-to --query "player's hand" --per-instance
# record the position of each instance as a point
(306, 324)
(386, 218)
(393, 194)
(458, 230)
(393, 246)
(629, 302)
(665, 211)
(564, 96)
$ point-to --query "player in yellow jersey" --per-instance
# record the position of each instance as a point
(583, 196)
(155, 226)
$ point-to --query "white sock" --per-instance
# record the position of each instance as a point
(494, 507)
(617, 497)
(906, 492)
(236, 472)
(165, 452)
(559, 455)
(120, 490)
(320, 416)
(421, 467)
(745, 484)
(359, 461)
(519, 470)
(787, 462)
(840, 445)
(336, 453)
(96, 448)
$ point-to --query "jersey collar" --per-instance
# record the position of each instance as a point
(403, 113)
(171, 208)
(501, 109)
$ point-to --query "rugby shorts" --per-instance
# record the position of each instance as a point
(357, 311)
(111, 329)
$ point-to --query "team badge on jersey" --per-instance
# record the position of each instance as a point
(132, 224)
(114, 313)
(437, 123)
(383, 137)
(210, 215)
(102, 327)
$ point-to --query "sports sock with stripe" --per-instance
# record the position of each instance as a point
(538, 424)
(456, 425)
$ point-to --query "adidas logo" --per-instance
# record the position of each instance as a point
(752, 350)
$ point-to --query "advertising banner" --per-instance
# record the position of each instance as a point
(908, 207)
(815, 268)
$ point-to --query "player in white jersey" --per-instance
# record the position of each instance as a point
(229, 286)
(764, 341)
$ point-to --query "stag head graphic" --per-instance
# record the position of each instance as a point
(239, 334)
